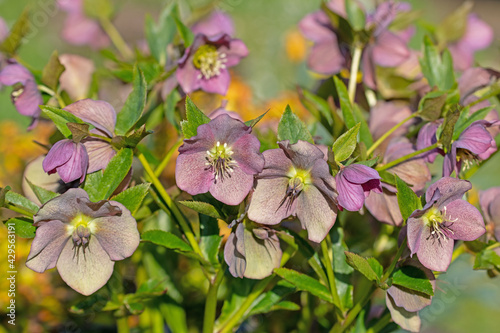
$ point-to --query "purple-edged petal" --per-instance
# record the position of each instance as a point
(99, 152)
(408, 299)
(475, 138)
(233, 188)
(390, 50)
(472, 80)
(27, 103)
(384, 116)
(86, 272)
(427, 137)
(218, 22)
(59, 154)
(187, 76)
(276, 164)
(266, 205)
(228, 130)
(415, 227)
(409, 321)
(235, 52)
(98, 113)
(77, 76)
(317, 27)
(368, 68)
(360, 174)
(450, 189)
(246, 153)
(351, 196)
(80, 30)
(323, 180)
(204, 140)
(50, 239)
(63, 208)
(316, 214)
(15, 73)
(118, 235)
(76, 166)
(490, 205)
(325, 58)
(191, 173)
(384, 207)
(262, 255)
(468, 223)
(433, 253)
(216, 84)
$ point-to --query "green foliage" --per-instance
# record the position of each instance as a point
(161, 34)
(408, 201)
(132, 197)
(453, 27)
(134, 105)
(20, 201)
(185, 33)
(166, 239)
(306, 283)
(431, 105)
(61, 118)
(253, 122)
(21, 28)
(195, 117)
(291, 128)
(343, 272)
(437, 69)
(355, 15)
(272, 300)
(487, 259)
(344, 146)
(446, 130)
(99, 9)
(412, 278)
(42, 194)
(52, 71)
(210, 240)
(23, 226)
(369, 267)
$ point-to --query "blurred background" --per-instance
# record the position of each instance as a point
(466, 301)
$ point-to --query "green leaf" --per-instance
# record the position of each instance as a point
(52, 71)
(99, 9)
(22, 226)
(292, 128)
(195, 117)
(61, 118)
(365, 135)
(91, 185)
(345, 103)
(185, 33)
(447, 129)
(203, 208)
(305, 283)
(3, 191)
(408, 201)
(431, 105)
(160, 35)
(344, 146)
(20, 201)
(115, 172)
(453, 27)
(19, 30)
(436, 69)
(343, 272)
(91, 304)
(355, 15)
(132, 197)
(42, 194)
(253, 122)
(462, 124)
(165, 239)
(267, 302)
(487, 259)
(376, 266)
(412, 278)
(210, 239)
(134, 105)
(364, 266)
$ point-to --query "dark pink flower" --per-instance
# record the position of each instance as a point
(427, 137)
(354, 183)
(445, 218)
(205, 63)
(69, 159)
(217, 22)
(296, 181)
(222, 110)
(83, 239)
(221, 159)
(490, 205)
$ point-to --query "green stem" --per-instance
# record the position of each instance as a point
(389, 270)
(211, 302)
(167, 158)
(484, 97)
(104, 138)
(122, 325)
(388, 133)
(327, 261)
(52, 93)
(406, 157)
(351, 316)
(19, 210)
(172, 206)
(116, 38)
(381, 323)
(356, 57)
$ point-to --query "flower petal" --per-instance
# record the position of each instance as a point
(58, 154)
(410, 300)
(15, 73)
(360, 174)
(409, 321)
(50, 239)
(302, 153)
(100, 154)
(434, 253)
(276, 164)
(64, 207)
(325, 57)
(247, 154)
(468, 225)
(450, 189)
(262, 256)
(191, 173)
(77, 76)
(234, 252)
(235, 52)
(216, 84)
(317, 27)
(351, 196)
(218, 22)
(187, 76)
(390, 50)
(98, 113)
(384, 207)
(76, 166)
(490, 204)
(233, 188)
(228, 130)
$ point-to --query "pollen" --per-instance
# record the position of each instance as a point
(219, 160)
(209, 61)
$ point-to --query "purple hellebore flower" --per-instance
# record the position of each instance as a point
(83, 239)
(221, 159)
(354, 183)
(444, 218)
(69, 159)
(25, 96)
(252, 252)
(205, 63)
(478, 35)
(77, 76)
(427, 137)
(222, 110)
(102, 115)
(79, 29)
(296, 181)
(490, 205)
(216, 23)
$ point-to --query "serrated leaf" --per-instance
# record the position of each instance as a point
(52, 71)
(253, 122)
(355, 15)
(132, 197)
(134, 105)
(363, 266)
(343, 272)
(305, 283)
(431, 105)
(20, 201)
(408, 201)
(61, 118)
(18, 31)
(448, 128)
(91, 185)
(194, 118)
(23, 227)
(345, 103)
(114, 173)
(42, 194)
(344, 146)
(203, 208)
(165, 239)
(292, 128)
(376, 266)
(412, 278)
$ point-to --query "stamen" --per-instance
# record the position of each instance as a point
(220, 162)
(209, 61)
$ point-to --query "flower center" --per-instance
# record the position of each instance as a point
(80, 229)
(439, 224)
(16, 92)
(220, 161)
(298, 180)
(209, 61)
(467, 158)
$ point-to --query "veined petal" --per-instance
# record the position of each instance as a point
(76, 166)
(384, 207)
(360, 174)
(59, 154)
(434, 253)
(63, 208)
(468, 223)
(234, 252)
(390, 50)
(228, 130)
(216, 84)
(100, 154)
(246, 153)
(410, 300)
(302, 153)
(218, 22)
(98, 113)
(191, 173)
(262, 256)
(351, 196)
(407, 320)
(325, 57)
(450, 189)
(50, 239)
(276, 164)
(233, 188)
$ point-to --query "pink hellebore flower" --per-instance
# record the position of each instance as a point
(296, 181)
(445, 218)
(77, 76)
(216, 23)
(69, 159)
(205, 63)
(83, 239)
(490, 205)
(354, 183)
(221, 159)
(222, 110)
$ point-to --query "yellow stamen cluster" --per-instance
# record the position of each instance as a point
(220, 161)
(209, 61)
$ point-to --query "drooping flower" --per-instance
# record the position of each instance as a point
(77, 75)
(221, 159)
(252, 252)
(79, 29)
(69, 159)
(490, 205)
(25, 95)
(296, 181)
(427, 137)
(445, 218)
(205, 63)
(354, 183)
(83, 239)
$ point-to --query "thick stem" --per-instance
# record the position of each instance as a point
(331, 277)
(52, 93)
(116, 38)
(19, 210)
(356, 58)
(406, 157)
(211, 302)
(167, 158)
(388, 133)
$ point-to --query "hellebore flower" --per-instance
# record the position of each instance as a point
(221, 159)
(296, 181)
(354, 183)
(102, 115)
(445, 217)
(252, 252)
(490, 205)
(427, 137)
(222, 110)
(69, 159)
(216, 23)
(79, 29)
(205, 63)
(384, 206)
(77, 76)
(25, 96)
(83, 239)
(478, 35)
